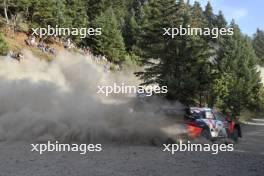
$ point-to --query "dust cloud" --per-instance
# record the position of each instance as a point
(58, 100)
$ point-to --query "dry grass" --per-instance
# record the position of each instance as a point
(17, 43)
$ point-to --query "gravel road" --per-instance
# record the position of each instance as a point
(247, 160)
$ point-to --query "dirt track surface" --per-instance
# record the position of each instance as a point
(247, 160)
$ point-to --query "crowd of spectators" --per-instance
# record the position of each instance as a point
(68, 44)
(17, 55)
(31, 41)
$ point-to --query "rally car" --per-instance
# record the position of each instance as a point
(212, 125)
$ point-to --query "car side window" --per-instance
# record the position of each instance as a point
(209, 115)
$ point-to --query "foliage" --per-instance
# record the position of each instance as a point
(258, 44)
(3, 46)
(110, 43)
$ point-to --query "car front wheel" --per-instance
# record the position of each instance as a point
(205, 134)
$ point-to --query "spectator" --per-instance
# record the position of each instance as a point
(31, 41)
(52, 51)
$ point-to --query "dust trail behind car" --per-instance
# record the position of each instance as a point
(58, 100)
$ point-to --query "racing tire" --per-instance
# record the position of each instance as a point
(205, 134)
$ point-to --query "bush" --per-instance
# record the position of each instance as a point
(131, 60)
(3, 46)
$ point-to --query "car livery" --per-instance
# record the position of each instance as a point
(210, 124)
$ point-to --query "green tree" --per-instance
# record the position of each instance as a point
(94, 8)
(76, 17)
(59, 13)
(258, 44)
(77, 14)
(198, 17)
(130, 32)
(181, 63)
(13, 7)
(238, 76)
(3, 46)
(209, 14)
(43, 13)
(110, 42)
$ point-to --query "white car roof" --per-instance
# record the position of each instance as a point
(197, 109)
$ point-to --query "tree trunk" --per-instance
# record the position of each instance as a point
(13, 20)
(5, 9)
